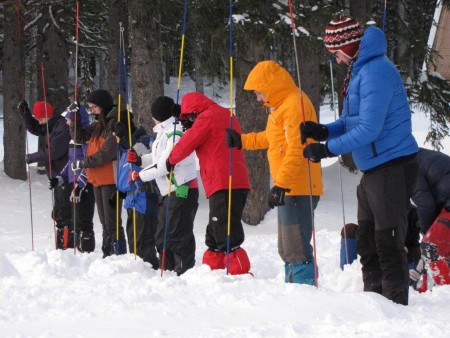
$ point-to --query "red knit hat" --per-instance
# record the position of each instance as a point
(343, 34)
(39, 110)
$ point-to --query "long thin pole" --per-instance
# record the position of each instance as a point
(316, 274)
(74, 216)
(180, 68)
(49, 150)
(230, 170)
(333, 107)
(22, 79)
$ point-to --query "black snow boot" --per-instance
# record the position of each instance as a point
(86, 241)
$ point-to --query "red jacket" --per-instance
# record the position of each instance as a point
(207, 138)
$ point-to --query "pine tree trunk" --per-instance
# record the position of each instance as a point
(13, 93)
(146, 64)
(252, 118)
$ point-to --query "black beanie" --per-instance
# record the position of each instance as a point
(101, 98)
(162, 108)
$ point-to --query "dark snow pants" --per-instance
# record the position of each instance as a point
(217, 228)
(180, 240)
(62, 208)
(145, 231)
(383, 200)
(85, 209)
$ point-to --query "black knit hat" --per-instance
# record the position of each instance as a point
(162, 108)
(101, 98)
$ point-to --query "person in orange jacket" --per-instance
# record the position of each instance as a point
(291, 192)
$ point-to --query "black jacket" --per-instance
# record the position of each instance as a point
(432, 192)
(59, 142)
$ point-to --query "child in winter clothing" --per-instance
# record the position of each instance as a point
(275, 89)
(58, 140)
(141, 200)
(206, 122)
(100, 166)
(432, 198)
(375, 126)
(82, 196)
(179, 206)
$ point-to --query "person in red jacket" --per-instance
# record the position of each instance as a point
(206, 122)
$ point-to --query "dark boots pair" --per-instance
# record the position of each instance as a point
(112, 246)
(65, 237)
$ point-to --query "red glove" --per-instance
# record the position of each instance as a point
(133, 157)
(134, 176)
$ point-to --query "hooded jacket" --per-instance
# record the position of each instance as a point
(281, 138)
(207, 138)
(375, 124)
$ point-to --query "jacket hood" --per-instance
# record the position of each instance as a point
(194, 103)
(272, 80)
(373, 44)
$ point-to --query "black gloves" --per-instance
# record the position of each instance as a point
(317, 151)
(176, 111)
(55, 182)
(77, 165)
(133, 157)
(233, 139)
(28, 159)
(120, 130)
(276, 197)
(169, 166)
(112, 198)
(74, 107)
(313, 130)
(23, 108)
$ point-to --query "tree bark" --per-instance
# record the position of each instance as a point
(252, 118)
(146, 63)
(13, 93)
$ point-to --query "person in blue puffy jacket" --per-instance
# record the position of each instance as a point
(375, 126)
(141, 198)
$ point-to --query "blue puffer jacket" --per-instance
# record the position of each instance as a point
(376, 120)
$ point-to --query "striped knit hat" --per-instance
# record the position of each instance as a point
(343, 34)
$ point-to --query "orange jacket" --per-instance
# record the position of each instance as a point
(288, 167)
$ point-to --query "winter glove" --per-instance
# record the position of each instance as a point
(276, 197)
(77, 165)
(233, 139)
(120, 130)
(313, 130)
(133, 176)
(176, 111)
(23, 108)
(75, 195)
(414, 274)
(55, 182)
(112, 198)
(133, 157)
(169, 166)
(28, 159)
(74, 107)
(317, 151)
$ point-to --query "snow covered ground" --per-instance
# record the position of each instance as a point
(48, 293)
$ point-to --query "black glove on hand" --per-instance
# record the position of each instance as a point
(55, 182)
(233, 139)
(120, 130)
(276, 197)
(313, 130)
(112, 199)
(74, 107)
(317, 151)
(23, 108)
(28, 159)
(77, 165)
(176, 111)
(169, 166)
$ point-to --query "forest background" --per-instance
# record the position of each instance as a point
(40, 47)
